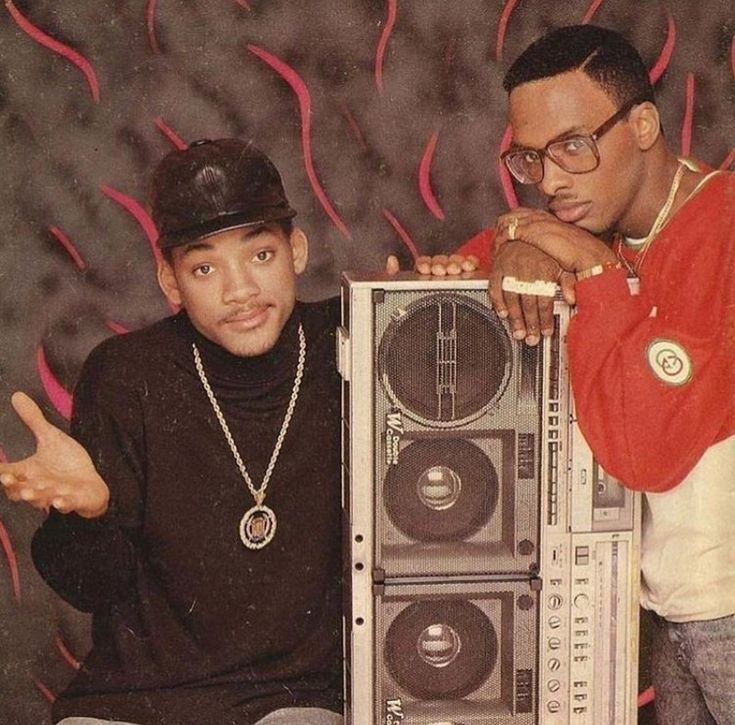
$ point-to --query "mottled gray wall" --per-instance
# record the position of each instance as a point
(71, 135)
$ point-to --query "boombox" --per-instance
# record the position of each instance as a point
(491, 563)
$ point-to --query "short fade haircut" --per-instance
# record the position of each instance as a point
(603, 55)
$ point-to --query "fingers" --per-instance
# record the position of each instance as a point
(545, 315)
(423, 265)
(31, 415)
(529, 305)
(470, 263)
(495, 292)
(443, 265)
(516, 315)
(568, 282)
(392, 265)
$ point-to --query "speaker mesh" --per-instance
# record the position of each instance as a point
(444, 359)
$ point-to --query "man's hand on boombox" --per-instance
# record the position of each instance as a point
(440, 265)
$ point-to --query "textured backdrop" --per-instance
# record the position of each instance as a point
(385, 116)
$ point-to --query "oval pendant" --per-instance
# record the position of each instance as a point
(257, 527)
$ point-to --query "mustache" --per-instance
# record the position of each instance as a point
(244, 311)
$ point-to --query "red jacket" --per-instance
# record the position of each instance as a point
(653, 375)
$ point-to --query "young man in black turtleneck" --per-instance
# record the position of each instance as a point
(198, 515)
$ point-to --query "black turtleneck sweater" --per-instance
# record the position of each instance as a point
(189, 626)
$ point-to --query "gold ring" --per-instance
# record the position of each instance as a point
(512, 226)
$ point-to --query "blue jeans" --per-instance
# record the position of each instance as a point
(284, 716)
(693, 672)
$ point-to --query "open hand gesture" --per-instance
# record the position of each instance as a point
(60, 474)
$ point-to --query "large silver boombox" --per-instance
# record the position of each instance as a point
(492, 564)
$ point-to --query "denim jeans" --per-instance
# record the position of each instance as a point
(693, 672)
(284, 716)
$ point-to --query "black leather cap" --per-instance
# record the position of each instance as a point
(213, 186)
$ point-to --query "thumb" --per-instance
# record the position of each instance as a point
(392, 266)
(31, 415)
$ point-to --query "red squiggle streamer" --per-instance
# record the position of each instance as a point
(116, 327)
(65, 652)
(402, 233)
(151, 25)
(45, 690)
(142, 217)
(593, 8)
(58, 395)
(7, 545)
(503, 27)
(686, 126)
(666, 52)
(304, 98)
(383, 42)
(170, 134)
(137, 211)
(505, 178)
(648, 695)
(729, 160)
(68, 246)
(244, 4)
(57, 47)
(427, 192)
(354, 127)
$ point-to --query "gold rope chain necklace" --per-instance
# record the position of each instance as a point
(660, 220)
(258, 524)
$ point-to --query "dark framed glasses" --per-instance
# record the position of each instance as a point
(577, 153)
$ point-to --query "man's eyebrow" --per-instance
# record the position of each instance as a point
(203, 245)
(573, 131)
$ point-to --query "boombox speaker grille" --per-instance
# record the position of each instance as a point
(444, 359)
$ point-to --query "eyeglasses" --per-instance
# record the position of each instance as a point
(577, 154)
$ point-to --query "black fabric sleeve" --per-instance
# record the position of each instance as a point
(91, 563)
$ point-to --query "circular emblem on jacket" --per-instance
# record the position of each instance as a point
(670, 362)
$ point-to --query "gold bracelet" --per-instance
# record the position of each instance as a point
(597, 269)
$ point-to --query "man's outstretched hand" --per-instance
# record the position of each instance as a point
(60, 474)
(440, 265)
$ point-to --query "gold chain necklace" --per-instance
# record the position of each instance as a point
(660, 220)
(258, 524)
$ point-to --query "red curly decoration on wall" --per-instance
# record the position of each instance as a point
(57, 47)
(427, 193)
(503, 28)
(667, 51)
(150, 17)
(304, 98)
(383, 42)
(68, 245)
(591, 10)
(170, 134)
(9, 552)
(402, 233)
(687, 123)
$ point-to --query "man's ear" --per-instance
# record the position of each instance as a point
(168, 283)
(646, 124)
(299, 249)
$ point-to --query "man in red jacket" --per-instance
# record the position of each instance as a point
(652, 371)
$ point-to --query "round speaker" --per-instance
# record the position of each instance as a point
(440, 490)
(444, 359)
(441, 649)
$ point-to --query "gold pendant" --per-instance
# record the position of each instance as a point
(258, 527)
